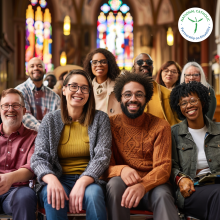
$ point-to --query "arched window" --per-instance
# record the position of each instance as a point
(38, 36)
(115, 32)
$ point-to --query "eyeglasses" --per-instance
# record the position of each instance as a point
(138, 95)
(195, 75)
(97, 62)
(192, 101)
(166, 71)
(148, 62)
(75, 88)
(6, 107)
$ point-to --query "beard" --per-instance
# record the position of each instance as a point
(37, 79)
(132, 115)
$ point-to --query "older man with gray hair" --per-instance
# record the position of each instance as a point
(39, 99)
(17, 147)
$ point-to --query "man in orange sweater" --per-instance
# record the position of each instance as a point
(141, 154)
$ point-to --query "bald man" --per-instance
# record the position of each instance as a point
(39, 100)
(159, 104)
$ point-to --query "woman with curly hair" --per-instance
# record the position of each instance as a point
(169, 74)
(195, 152)
(101, 65)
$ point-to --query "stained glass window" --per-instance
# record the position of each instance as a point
(38, 33)
(115, 32)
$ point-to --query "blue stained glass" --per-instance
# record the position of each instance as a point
(124, 8)
(115, 33)
(105, 8)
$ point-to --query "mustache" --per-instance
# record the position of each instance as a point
(133, 102)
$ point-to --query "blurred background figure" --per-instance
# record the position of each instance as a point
(169, 75)
(50, 80)
(101, 65)
(60, 73)
(192, 71)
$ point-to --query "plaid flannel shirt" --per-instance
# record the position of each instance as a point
(50, 102)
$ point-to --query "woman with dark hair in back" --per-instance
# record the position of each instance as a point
(101, 65)
(72, 150)
(169, 74)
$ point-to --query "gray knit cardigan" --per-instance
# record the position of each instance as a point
(45, 159)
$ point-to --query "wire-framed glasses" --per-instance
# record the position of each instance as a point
(192, 101)
(6, 107)
(138, 95)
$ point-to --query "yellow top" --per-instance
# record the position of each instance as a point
(159, 105)
(73, 148)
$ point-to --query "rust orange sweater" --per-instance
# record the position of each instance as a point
(143, 144)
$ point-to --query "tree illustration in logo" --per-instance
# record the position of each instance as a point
(196, 23)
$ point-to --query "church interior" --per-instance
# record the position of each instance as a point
(63, 32)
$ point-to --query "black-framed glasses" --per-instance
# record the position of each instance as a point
(192, 101)
(138, 95)
(166, 71)
(75, 87)
(6, 107)
(141, 62)
(97, 62)
(195, 75)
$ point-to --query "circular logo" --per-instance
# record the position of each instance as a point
(195, 24)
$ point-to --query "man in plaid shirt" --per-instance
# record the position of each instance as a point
(39, 99)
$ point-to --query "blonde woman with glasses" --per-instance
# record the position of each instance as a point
(192, 71)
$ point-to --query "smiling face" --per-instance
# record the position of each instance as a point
(12, 118)
(192, 112)
(35, 69)
(145, 68)
(190, 71)
(100, 71)
(169, 77)
(133, 107)
(76, 99)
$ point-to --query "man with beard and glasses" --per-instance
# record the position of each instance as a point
(159, 104)
(17, 147)
(140, 164)
(39, 99)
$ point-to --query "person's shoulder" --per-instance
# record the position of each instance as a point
(115, 119)
(29, 132)
(23, 86)
(176, 126)
(100, 115)
(53, 115)
(152, 119)
(50, 91)
(165, 92)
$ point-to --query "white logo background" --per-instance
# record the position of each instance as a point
(191, 18)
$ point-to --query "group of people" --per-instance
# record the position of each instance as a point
(107, 142)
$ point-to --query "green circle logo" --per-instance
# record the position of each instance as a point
(195, 24)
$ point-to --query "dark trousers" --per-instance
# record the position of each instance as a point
(204, 203)
(20, 202)
(158, 200)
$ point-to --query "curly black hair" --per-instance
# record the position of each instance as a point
(127, 76)
(186, 89)
(113, 69)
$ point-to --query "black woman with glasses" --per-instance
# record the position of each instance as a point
(72, 150)
(159, 104)
(101, 65)
(195, 153)
(169, 75)
(192, 71)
